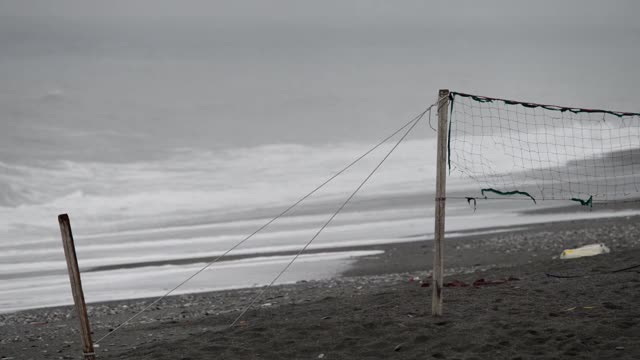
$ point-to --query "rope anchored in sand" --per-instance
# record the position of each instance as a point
(410, 124)
(253, 301)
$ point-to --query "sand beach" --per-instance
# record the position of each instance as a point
(305, 146)
(508, 297)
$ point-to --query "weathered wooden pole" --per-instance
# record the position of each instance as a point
(76, 286)
(441, 185)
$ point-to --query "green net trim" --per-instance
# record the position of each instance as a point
(507, 193)
(588, 202)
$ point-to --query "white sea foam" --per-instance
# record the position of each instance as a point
(53, 290)
(198, 203)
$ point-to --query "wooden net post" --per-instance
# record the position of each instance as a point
(76, 286)
(441, 182)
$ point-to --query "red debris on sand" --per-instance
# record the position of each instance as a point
(483, 282)
(456, 283)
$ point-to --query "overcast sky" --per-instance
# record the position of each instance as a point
(240, 73)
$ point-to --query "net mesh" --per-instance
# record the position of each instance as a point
(544, 152)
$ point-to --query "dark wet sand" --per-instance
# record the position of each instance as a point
(375, 312)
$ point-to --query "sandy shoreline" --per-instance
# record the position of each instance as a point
(374, 311)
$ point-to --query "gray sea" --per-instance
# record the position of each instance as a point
(171, 132)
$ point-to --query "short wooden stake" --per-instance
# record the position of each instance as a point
(76, 286)
(441, 185)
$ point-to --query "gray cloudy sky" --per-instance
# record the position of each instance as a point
(238, 73)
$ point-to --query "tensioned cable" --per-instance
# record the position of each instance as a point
(574, 110)
(326, 223)
(604, 202)
(414, 119)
